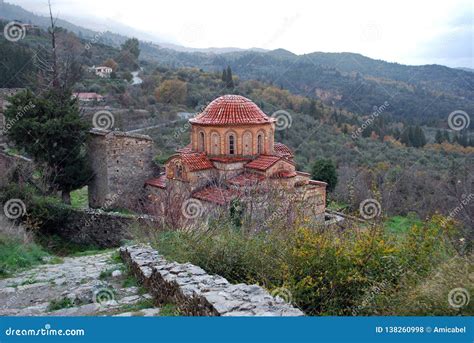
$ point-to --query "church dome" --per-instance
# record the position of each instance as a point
(232, 110)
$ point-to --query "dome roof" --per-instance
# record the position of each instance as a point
(231, 110)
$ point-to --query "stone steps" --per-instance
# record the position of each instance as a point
(78, 286)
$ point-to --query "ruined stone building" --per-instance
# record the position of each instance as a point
(232, 157)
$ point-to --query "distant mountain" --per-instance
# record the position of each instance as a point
(425, 94)
(466, 69)
(422, 94)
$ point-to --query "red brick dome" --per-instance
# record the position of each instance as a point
(232, 110)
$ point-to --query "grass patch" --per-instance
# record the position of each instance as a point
(80, 198)
(17, 255)
(60, 304)
(130, 281)
(169, 310)
(59, 246)
(116, 258)
(140, 305)
(400, 225)
(105, 274)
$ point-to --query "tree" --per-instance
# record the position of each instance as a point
(325, 170)
(229, 78)
(405, 137)
(49, 128)
(172, 92)
(111, 64)
(132, 46)
(312, 109)
(224, 76)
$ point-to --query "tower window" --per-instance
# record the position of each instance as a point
(231, 145)
(201, 141)
(260, 144)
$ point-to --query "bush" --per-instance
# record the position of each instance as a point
(17, 250)
(45, 213)
(325, 271)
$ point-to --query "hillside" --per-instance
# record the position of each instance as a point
(421, 94)
(418, 94)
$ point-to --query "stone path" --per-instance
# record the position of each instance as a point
(92, 285)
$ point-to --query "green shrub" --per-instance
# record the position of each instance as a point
(16, 254)
(322, 271)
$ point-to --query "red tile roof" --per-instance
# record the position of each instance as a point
(229, 159)
(231, 110)
(263, 162)
(216, 195)
(159, 182)
(317, 183)
(283, 174)
(196, 161)
(282, 150)
(246, 179)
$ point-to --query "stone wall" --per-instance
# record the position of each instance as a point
(198, 293)
(121, 163)
(99, 228)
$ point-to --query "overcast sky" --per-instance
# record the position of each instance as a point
(404, 31)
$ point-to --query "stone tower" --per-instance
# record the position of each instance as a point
(121, 163)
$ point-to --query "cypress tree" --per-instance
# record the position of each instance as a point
(224, 76)
(230, 80)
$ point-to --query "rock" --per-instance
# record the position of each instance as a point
(116, 273)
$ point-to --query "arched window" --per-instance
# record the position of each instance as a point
(179, 171)
(216, 143)
(231, 144)
(247, 143)
(260, 144)
(202, 145)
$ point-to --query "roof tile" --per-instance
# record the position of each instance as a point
(231, 110)
(263, 162)
(159, 182)
(196, 161)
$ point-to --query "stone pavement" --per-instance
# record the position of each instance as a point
(91, 285)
